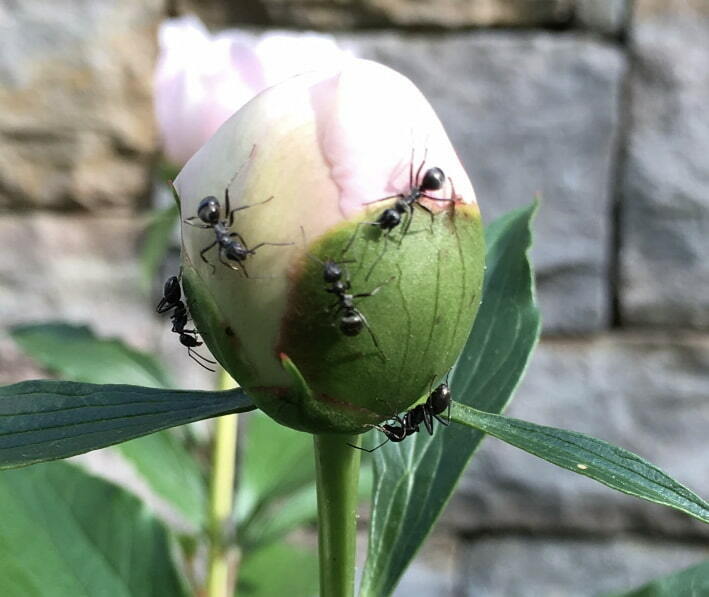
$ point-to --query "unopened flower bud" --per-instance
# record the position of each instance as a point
(332, 309)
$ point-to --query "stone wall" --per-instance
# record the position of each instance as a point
(599, 105)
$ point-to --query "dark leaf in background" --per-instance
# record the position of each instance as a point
(276, 463)
(613, 466)
(65, 533)
(279, 569)
(46, 420)
(157, 242)
(75, 353)
(171, 472)
(415, 478)
(692, 582)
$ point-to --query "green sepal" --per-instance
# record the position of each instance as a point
(430, 286)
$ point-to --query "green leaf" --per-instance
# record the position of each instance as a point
(45, 420)
(294, 510)
(66, 533)
(613, 466)
(273, 523)
(279, 569)
(691, 582)
(158, 238)
(75, 353)
(276, 461)
(170, 470)
(414, 479)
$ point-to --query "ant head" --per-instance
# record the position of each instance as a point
(440, 399)
(433, 179)
(209, 210)
(332, 272)
(351, 324)
(172, 291)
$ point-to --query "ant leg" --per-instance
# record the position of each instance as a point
(370, 450)
(356, 232)
(252, 250)
(418, 172)
(239, 238)
(201, 357)
(371, 333)
(426, 209)
(381, 254)
(427, 420)
(227, 203)
(243, 270)
(372, 292)
(203, 251)
(442, 421)
(192, 354)
(187, 221)
(407, 226)
(221, 260)
(383, 199)
(164, 306)
(233, 211)
(337, 306)
(432, 198)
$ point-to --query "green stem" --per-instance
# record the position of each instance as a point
(337, 466)
(221, 574)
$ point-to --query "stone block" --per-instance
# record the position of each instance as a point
(346, 14)
(76, 114)
(664, 271)
(15, 366)
(74, 268)
(608, 17)
(646, 394)
(434, 570)
(530, 113)
(84, 270)
(519, 566)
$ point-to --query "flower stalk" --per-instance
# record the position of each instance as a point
(221, 569)
(337, 470)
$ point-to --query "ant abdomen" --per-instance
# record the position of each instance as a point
(440, 399)
(351, 325)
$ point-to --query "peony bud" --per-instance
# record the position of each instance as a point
(310, 157)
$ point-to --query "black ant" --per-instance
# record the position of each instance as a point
(171, 299)
(232, 245)
(438, 401)
(352, 320)
(390, 218)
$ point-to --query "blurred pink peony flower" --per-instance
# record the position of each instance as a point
(202, 79)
